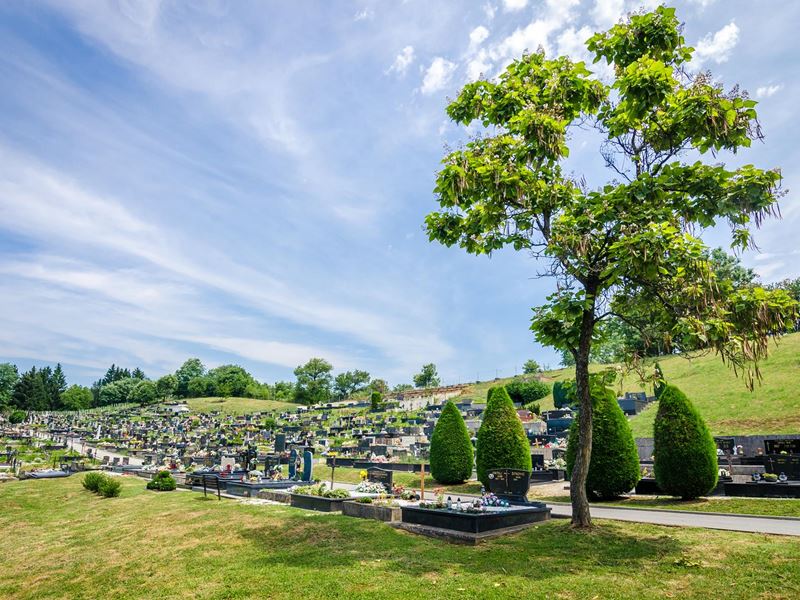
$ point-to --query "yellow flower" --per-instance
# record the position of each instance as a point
(363, 475)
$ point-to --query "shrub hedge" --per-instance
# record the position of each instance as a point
(163, 481)
(526, 392)
(684, 452)
(100, 483)
(614, 466)
(451, 454)
(502, 443)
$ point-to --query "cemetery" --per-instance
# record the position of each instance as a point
(246, 183)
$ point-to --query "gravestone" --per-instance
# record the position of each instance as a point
(293, 464)
(308, 459)
(726, 444)
(783, 463)
(510, 484)
(280, 442)
(779, 446)
(382, 476)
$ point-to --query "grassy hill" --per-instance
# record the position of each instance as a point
(236, 406)
(721, 397)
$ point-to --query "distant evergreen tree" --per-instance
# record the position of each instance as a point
(30, 392)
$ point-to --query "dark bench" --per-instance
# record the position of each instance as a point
(211, 482)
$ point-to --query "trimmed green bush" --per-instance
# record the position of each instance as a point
(684, 452)
(525, 392)
(163, 481)
(92, 480)
(451, 454)
(561, 393)
(110, 487)
(376, 401)
(16, 417)
(614, 466)
(502, 443)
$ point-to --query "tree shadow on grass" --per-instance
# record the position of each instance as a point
(547, 550)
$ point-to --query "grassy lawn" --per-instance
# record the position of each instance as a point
(722, 398)
(778, 507)
(411, 480)
(236, 406)
(60, 541)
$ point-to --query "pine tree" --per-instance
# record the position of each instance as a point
(451, 447)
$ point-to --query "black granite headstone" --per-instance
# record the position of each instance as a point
(378, 475)
(726, 444)
(510, 484)
(280, 442)
(779, 446)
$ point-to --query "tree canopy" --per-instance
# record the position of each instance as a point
(630, 249)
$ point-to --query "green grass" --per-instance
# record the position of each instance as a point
(409, 480)
(724, 401)
(236, 406)
(60, 541)
(775, 507)
(726, 404)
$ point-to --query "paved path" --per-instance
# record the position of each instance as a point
(751, 524)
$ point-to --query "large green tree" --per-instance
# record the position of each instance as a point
(313, 381)
(9, 375)
(349, 382)
(76, 397)
(190, 369)
(631, 248)
(427, 377)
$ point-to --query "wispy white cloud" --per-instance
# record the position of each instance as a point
(514, 5)
(768, 90)
(717, 47)
(437, 75)
(402, 61)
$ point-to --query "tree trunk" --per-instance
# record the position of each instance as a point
(577, 488)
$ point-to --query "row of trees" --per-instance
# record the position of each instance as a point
(46, 388)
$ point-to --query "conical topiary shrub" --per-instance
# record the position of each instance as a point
(451, 447)
(502, 443)
(614, 466)
(684, 452)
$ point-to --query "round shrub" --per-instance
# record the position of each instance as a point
(110, 487)
(16, 417)
(451, 453)
(163, 481)
(92, 480)
(376, 401)
(502, 443)
(614, 465)
(684, 452)
(525, 392)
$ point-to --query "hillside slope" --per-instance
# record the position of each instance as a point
(721, 397)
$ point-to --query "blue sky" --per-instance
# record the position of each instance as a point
(246, 181)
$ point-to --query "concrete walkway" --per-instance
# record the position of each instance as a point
(677, 518)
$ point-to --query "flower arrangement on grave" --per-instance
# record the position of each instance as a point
(724, 473)
(492, 500)
(255, 476)
(556, 463)
(320, 490)
(363, 474)
(369, 487)
(771, 477)
(404, 494)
